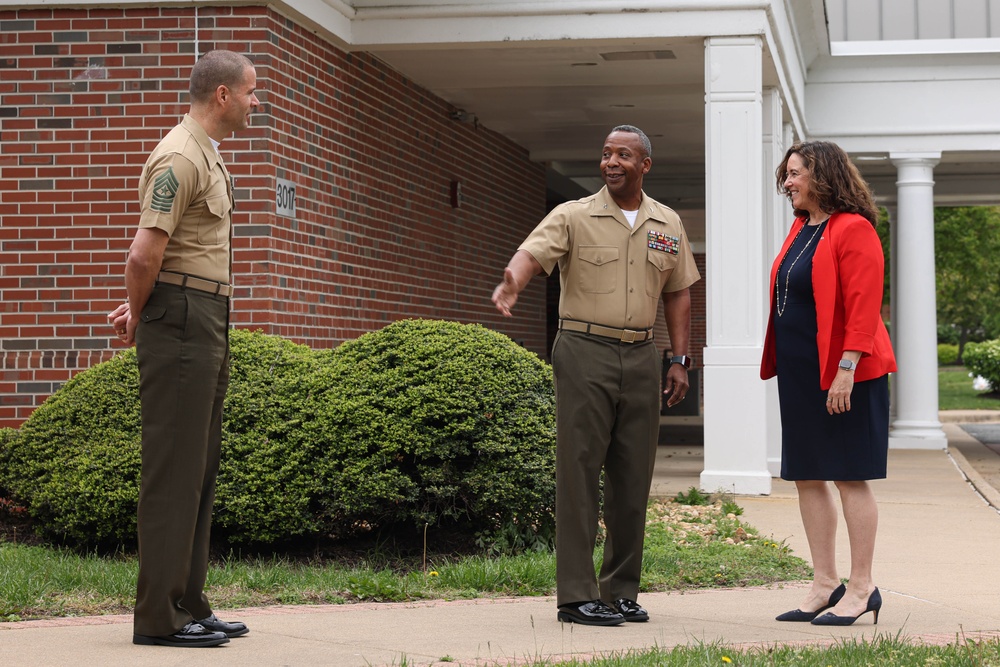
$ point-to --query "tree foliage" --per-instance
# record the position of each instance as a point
(967, 258)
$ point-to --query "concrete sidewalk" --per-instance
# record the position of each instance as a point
(935, 565)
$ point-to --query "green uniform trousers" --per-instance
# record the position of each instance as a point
(182, 347)
(607, 415)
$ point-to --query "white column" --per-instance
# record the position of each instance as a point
(916, 424)
(735, 398)
(893, 283)
(777, 218)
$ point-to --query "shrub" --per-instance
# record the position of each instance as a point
(422, 422)
(266, 491)
(440, 423)
(984, 359)
(947, 354)
(75, 462)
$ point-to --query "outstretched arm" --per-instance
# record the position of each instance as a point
(519, 272)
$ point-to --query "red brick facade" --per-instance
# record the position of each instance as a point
(85, 94)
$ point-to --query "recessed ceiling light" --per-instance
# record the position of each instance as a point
(639, 55)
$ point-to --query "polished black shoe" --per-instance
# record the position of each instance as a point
(593, 612)
(193, 635)
(234, 629)
(799, 616)
(631, 610)
(874, 606)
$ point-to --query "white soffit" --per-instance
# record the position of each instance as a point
(913, 47)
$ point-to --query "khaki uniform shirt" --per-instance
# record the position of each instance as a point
(186, 191)
(610, 273)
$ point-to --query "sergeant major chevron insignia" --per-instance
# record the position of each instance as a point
(164, 191)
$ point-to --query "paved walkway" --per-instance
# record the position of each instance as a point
(936, 566)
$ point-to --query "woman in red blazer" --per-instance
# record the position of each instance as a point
(830, 351)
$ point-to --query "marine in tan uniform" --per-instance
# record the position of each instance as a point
(613, 273)
(178, 281)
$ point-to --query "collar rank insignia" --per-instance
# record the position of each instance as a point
(662, 242)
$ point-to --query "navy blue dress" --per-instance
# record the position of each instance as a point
(815, 445)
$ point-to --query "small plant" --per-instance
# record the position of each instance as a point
(730, 507)
(947, 354)
(692, 497)
(984, 359)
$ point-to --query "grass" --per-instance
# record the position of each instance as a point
(955, 391)
(851, 652)
(880, 650)
(686, 547)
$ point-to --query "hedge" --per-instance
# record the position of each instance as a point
(421, 423)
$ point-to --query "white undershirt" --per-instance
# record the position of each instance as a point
(631, 216)
(215, 143)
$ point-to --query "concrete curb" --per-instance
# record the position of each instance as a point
(957, 435)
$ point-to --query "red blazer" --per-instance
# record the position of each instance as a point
(847, 278)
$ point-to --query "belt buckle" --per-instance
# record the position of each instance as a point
(628, 336)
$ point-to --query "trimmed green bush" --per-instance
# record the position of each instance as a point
(984, 359)
(947, 354)
(266, 490)
(423, 422)
(75, 462)
(431, 422)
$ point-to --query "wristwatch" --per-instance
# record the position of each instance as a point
(681, 359)
(848, 365)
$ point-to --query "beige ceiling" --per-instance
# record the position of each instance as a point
(560, 101)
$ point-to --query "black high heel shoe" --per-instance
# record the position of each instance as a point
(874, 605)
(799, 616)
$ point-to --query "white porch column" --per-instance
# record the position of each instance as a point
(893, 282)
(777, 217)
(735, 398)
(916, 424)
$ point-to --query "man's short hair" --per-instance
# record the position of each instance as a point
(646, 146)
(214, 69)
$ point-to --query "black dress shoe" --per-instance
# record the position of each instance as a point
(799, 616)
(593, 612)
(192, 635)
(234, 629)
(631, 610)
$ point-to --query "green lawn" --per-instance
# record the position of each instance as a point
(955, 391)
(893, 650)
(687, 547)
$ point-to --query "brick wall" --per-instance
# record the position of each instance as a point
(85, 95)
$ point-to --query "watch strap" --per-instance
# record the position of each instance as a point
(681, 359)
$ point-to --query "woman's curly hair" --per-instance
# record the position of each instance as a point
(833, 179)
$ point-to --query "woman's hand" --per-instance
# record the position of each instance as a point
(838, 399)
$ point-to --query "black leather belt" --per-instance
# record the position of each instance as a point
(193, 282)
(620, 335)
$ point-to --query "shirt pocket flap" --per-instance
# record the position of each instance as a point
(218, 206)
(661, 260)
(598, 255)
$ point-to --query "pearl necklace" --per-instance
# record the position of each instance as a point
(780, 304)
